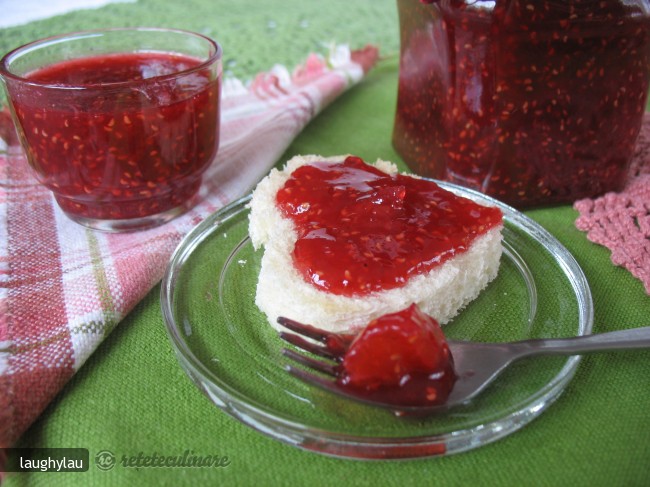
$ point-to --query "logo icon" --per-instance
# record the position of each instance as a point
(105, 460)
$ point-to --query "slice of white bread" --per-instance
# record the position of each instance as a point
(281, 290)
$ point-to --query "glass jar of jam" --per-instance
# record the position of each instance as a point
(120, 124)
(533, 102)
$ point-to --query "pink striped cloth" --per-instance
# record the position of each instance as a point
(63, 287)
(621, 221)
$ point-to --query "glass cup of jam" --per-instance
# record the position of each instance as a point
(119, 124)
(534, 102)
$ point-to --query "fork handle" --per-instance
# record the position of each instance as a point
(600, 342)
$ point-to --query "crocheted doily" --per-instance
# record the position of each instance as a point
(621, 221)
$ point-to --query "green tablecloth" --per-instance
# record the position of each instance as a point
(132, 396)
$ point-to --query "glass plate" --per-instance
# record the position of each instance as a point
(224, 343)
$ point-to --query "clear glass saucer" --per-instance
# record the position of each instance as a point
(226, 346)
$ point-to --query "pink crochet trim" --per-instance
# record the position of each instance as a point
(621, 221)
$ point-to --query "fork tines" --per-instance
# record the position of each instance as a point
(306, 345)
(326, 382)
(307, 338)
(315, 343)
(323, 366)
(319, 381)
(304, 330)
(312, 363)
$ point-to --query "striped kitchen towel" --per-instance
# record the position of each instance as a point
(63, 287)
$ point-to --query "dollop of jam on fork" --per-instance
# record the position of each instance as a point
(400, 360)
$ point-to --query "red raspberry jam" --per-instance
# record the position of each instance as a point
(112, 151)
(361, 230)
(400, 358)
(532, 102)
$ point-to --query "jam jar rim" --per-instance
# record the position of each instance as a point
(214, 57)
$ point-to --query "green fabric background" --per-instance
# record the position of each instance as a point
(132, 396)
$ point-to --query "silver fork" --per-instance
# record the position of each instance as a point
(476, 364)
